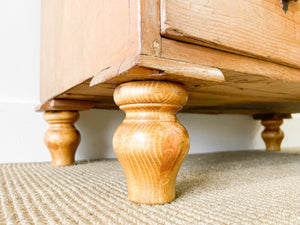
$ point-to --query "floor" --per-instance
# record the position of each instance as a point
(245, 187)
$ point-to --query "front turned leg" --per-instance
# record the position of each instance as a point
(151, 144)
(272, 134)
(62, 138)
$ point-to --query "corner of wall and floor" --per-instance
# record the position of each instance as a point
(22, 129)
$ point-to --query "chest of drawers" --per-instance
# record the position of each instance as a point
(154, 56)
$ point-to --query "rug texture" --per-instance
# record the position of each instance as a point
(248, 187)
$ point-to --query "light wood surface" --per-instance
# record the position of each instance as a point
(81, 38)
(251, 85)
(60, 105)
(150, 143)
(150, 27)
(230, 64)
(148, 67)
(62, 138)
(259, 28)
(85, 53)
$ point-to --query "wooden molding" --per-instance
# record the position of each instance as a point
(59, 105)
(164, 69)
(230, 64)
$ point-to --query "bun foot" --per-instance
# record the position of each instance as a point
(150, 144)
(62, 138)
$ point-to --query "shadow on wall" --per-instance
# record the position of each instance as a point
(97, 128)
(208, 133)
(212, 133)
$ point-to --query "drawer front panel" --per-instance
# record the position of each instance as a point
(257, 28)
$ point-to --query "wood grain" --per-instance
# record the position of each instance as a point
(61, 105)
(81, 38)
(258, 28)
(62, 138)
(251, 86)
(150, 27)
(150, 143)
(245, 78)
(228, 63)
(148, 67)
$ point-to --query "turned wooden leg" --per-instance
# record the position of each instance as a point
(62, 138)
(151, 144)
(272, 134)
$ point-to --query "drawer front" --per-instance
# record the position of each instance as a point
(257, 28)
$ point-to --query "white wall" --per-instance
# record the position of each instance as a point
(22, 129)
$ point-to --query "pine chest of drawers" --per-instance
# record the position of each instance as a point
(156, 57)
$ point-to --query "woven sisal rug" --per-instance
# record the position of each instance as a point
(249, 187)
